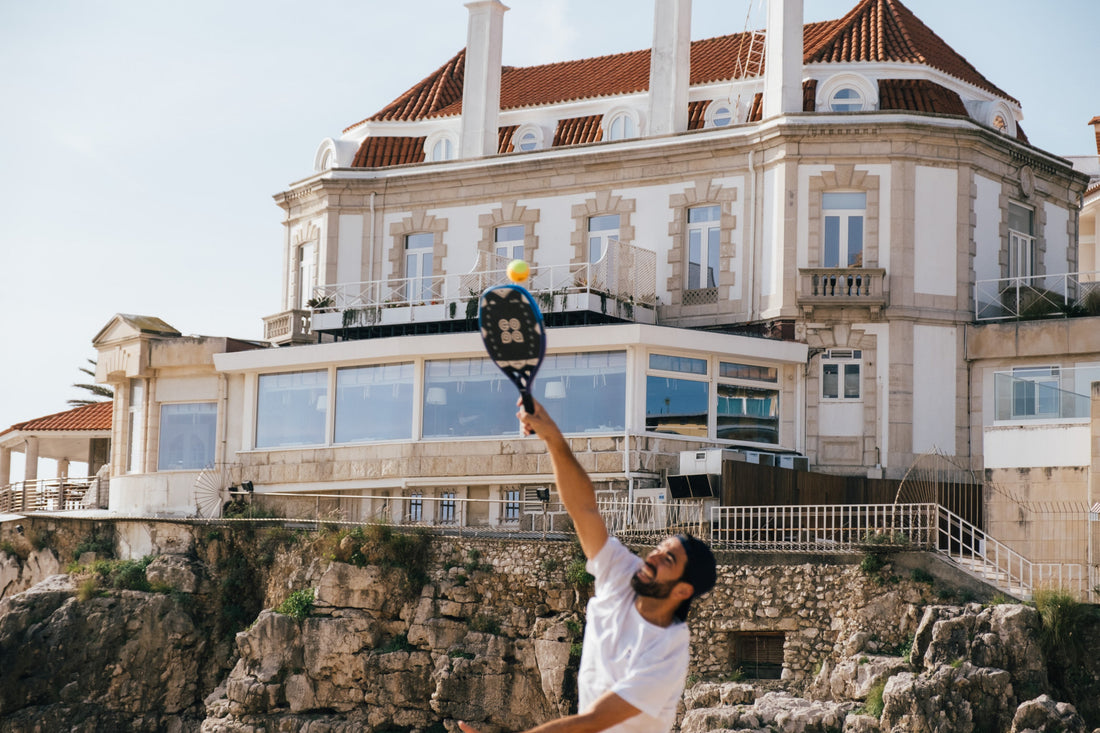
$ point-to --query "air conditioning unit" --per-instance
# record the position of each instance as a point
(706, 461)
(694, 485)
(764, 459)
(798, 463)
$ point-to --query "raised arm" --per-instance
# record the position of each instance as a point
(574, 486)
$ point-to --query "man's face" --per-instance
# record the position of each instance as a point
(661, 571)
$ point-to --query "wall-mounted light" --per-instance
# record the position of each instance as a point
(436, 396)
(543, 494)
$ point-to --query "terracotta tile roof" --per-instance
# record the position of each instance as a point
(440, 89)
(378, 152)
(578, 130)
(809, 95)
(756, 111)
(504, 138)
(886, 30)
(1096, 121)
(93, 417)
(697, 114)
(919, 95)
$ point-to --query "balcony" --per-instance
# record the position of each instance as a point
(1038, 296)
(841, 287)
(288, 328)
(621, 286)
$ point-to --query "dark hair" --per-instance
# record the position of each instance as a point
(700, 570)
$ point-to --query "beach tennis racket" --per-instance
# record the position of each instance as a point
(511, 327)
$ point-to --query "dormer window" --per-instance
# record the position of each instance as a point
(440, 146)
(620, 124)
(847, 92)
(528, 138)
(721, 113)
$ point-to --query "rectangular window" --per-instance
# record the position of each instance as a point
(447, 507)
(683, 364)
(601, 230)
(676, 406)
(583, 392)
(307, 272)
(704, 247)
(511, 505)
(1021, 241)
(187, 434)
(291, 409)
(748, 413)
(840, 375)
(509, 241)
(374, 403)
(732, 370)
(1036, 392)
(843, 240)
(416, 508)
(419, 249)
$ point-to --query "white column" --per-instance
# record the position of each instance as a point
(669, 67)
(30, 469)
(63, 468)
(5, 466)
(783, 58)
(481, 78)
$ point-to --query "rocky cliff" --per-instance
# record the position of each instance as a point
(383, 634)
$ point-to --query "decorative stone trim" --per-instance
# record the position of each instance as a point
(844, 178)
(702, 194)
(415, 223)
(509, 213)
(602, 203)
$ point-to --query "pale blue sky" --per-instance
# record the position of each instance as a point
(141, 141)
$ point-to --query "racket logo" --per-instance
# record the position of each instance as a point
(510, 331)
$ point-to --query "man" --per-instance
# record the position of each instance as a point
(635, 656)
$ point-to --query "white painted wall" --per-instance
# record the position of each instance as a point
(802, 238)
(349, 250)
(884, 207)
(934, 388)
(842, 418)
(1056, 232)
(770, 229)
(554, 229)
(461, 237)
(934, 239)
(1037, 446)
(987, 229)
(187, 389)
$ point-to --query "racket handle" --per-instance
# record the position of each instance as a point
(528, 405)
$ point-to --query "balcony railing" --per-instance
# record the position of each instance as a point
(842, 286)
(1037, 296)
(1044, 393)
(288, 327)
(52, 494)
(624, 279)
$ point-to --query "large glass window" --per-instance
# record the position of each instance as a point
(601, 230)
(1035, 392)
(509, 241)
(843, 240)
(374, 403)
(748, 413)
(583, 392)
(1021, 241)
(290, 409)
(187, 434)
(135, 427)
(418, 265)
(704, 236)
(674, 405)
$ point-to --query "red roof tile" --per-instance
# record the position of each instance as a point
(378, 152)
(697, 114)
(93, 417)
(504, 138)
(919, 95)
(578, 130)
(440, 89)
(886, 30)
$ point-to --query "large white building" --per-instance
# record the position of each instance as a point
(780, 242)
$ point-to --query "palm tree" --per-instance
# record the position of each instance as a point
(98, 390)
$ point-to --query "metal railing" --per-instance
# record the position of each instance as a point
(50, 494)
(1037, 296)
(625, 273)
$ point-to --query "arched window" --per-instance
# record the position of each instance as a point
(722, 113)
(847, 92)
(527, 138)
(620, 124)
(440, 146)
(846, 99)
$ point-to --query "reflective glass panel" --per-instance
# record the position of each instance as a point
(187, 433)
(290, 409)
(374, 403)
(748, 413)
(676, 406)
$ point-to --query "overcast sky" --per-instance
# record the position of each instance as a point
(141, 141)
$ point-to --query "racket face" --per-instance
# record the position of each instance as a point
(511, 327)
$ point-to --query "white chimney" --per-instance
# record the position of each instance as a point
(669, 67)
(783, 58)
(481, 79)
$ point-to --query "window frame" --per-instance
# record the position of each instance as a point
(603, 236)
(710, 119)
(625, 116)
(706, 228)
(842, 359)
(208, 460)
(537, 138)
(422, 290)
(844, 217)
(1021, 245)
(512, 245)
(865, 89)
(434, 153)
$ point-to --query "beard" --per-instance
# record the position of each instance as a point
(650, 588)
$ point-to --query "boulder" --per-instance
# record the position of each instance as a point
(1045, 715)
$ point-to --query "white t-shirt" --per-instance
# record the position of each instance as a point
(644, 664)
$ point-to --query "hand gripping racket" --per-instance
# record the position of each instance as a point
(511, 327)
